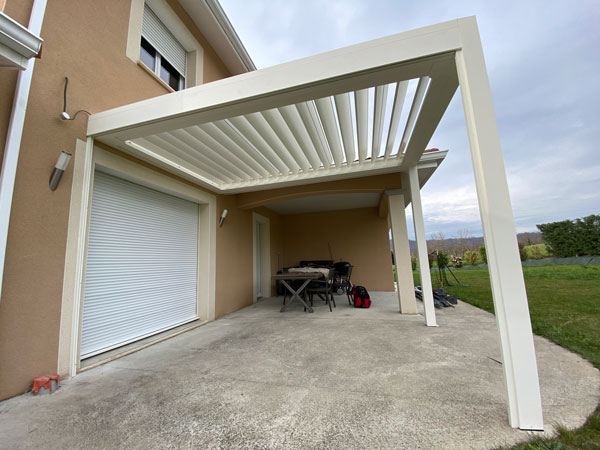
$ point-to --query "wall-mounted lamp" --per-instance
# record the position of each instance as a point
(222, 219)
(59, 169)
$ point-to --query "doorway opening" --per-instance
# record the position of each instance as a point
(261, 256)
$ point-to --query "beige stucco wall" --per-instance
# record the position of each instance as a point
(85, 41)
(358, 236)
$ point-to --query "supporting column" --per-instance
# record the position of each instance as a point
(397, 223)
(506, 274)
(422, 255)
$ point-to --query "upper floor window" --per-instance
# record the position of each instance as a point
(161, 51)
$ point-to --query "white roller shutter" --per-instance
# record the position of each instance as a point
(142, 264)
(155, 32)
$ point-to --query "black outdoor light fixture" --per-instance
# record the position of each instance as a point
(59, 169)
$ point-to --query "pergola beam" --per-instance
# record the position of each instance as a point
(440, 90)
(397, 223)
(421, 239)
(504, 264)
(390, 59)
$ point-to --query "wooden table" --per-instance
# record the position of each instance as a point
(294, 276)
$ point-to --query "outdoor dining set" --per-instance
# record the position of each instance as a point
(315, 278)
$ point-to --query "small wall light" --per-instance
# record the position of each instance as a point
(59, 169)
(222, 219)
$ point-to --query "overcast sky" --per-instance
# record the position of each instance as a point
(543, 60)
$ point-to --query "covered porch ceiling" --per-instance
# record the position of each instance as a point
(358, 111)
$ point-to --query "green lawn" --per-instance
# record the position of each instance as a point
(564, 302)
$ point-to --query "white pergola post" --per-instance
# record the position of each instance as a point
(422, 255)
(397, 223)
(506, 274)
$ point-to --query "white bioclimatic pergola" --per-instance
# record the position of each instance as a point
(362, 110)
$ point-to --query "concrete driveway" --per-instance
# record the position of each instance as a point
(258, 378)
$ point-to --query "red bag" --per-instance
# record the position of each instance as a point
(361, 297)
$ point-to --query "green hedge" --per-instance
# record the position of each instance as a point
(572, 237)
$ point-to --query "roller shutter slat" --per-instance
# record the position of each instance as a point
(155, 32)
(142, 264)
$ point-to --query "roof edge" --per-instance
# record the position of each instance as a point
(232, 36)
(17, 43)
(213, 23)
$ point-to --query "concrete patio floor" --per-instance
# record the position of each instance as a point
(258, 378)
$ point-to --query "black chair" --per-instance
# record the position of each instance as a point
(323, 289)
(342, 283)
(348, 286)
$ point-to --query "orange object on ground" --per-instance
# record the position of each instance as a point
(45, 382)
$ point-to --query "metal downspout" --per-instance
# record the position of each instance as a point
(14, 135)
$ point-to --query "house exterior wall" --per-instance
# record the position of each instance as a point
(358, 236)
(85, 41)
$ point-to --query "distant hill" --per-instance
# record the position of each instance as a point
(460, 245)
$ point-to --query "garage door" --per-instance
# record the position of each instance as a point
(142, 264)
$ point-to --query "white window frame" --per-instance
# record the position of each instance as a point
(157, 63)
(195, 52)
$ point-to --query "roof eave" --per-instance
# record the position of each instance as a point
(17, 44)
(211, 19)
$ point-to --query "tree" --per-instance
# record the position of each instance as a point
(483, 254)
(572, 237)
(522, 251)
(463, 237)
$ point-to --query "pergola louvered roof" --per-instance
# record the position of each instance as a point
(362, 110)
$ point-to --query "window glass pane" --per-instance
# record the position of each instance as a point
(147, 54)
(169, 74)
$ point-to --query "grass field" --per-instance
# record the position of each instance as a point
(564, 302)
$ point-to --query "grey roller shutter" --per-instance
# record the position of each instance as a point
(155, 32)
(142, 264)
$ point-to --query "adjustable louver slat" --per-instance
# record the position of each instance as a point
(235, 136)
(155, 145)
(293, 120)
(399, 97)
(283, 132)
(310, 118)
(325, 108)
(379, 113)
(414, 112)
(190, 143)
(260, 124)
(169, 142)
(344, 114)
(255, 138)
(361, 100)
(220, 143)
